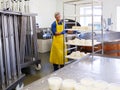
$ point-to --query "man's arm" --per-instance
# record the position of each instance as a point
(53, 27)
(68, 31)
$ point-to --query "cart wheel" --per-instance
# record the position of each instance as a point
(19, 87)
(38, 67)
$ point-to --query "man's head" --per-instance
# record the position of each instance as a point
(57, 16)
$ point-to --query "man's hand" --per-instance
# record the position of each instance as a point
(64, 32)
(57, 33)
(70, 32)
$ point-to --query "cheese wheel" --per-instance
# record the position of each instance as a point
(87, 82)
(68, 84)
(113, 87)
(73, 54)
(54, 83)
(101, 84)
(78, 86)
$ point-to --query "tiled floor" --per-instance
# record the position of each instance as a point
(45, 70)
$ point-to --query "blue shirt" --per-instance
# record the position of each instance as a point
(53, 26)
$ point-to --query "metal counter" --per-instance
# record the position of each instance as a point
(108, 36)
(99, 68)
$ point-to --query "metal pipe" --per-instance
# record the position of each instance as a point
(102, 27)
(33, 22)
(23, 38)
(12, 47)
(6, 50)
(17, 50)
(2, 77)
(92, 28)
(64, 36)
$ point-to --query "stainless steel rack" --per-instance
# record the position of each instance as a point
(75, 4)
(18, 47)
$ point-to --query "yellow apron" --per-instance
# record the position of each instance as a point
(57, 50)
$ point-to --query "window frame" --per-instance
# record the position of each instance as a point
(84, 15)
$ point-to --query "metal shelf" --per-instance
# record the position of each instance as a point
(71, 48)
(77, 58)
(18, 13)
(84, 45)
(70, 35)
(82, 2)
(82, 16)
(75, 4)
(82, 31)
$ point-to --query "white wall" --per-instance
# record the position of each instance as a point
(45, 10)
(109, 10)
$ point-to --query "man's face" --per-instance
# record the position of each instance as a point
(58, 17)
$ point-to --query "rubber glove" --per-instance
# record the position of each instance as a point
(75, 32)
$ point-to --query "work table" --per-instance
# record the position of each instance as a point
(98, 68)
(109, 37)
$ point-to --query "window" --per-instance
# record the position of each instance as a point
(86, 16)
(118, 18)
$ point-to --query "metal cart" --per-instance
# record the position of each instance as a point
(75, 15)
(28, 41)
(18, 47)
(10, 67)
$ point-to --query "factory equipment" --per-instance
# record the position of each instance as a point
(88, 29)
(28, 42)
(10, 70)
(15, 5)
(44, 36)
(44, 33)
(18, 47)
(69, 23)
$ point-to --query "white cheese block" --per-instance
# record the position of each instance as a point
(68, 84)
(78, 86)
(113, 87)
(54, 83)
(101, 84)
(87, 82)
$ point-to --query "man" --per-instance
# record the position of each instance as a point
(57, 50)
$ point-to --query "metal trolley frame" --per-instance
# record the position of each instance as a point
(13, 49)
(75, 4)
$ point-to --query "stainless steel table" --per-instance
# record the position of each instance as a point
(99, 68)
